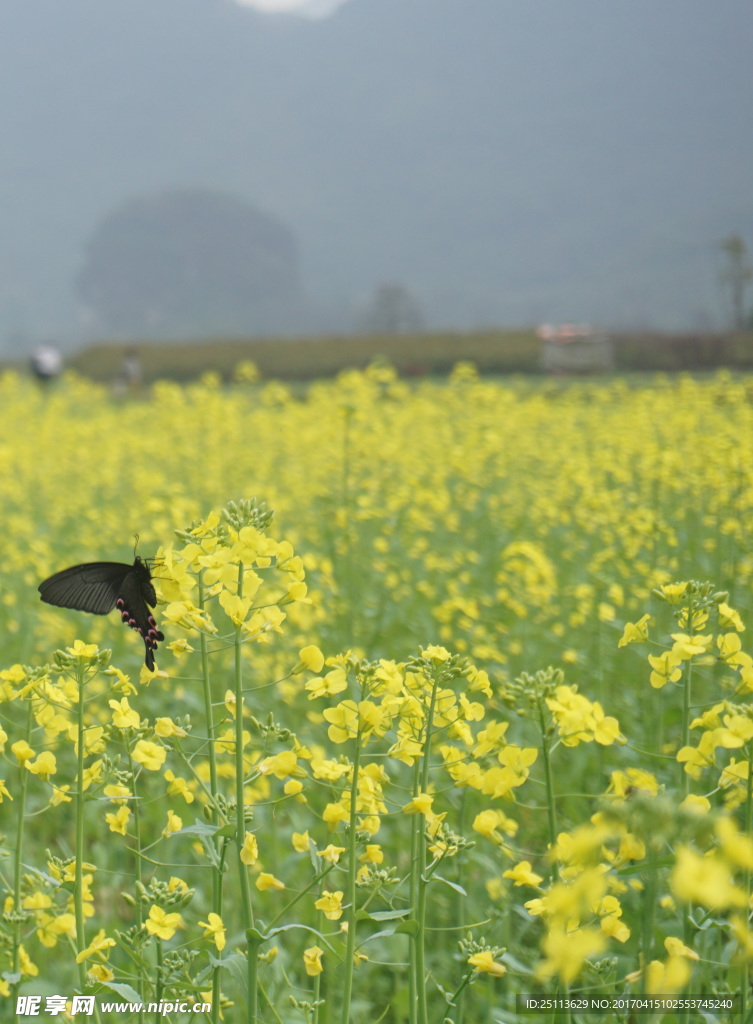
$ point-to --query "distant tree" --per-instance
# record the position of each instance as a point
(736, 276)
(393, 310)
(190, 262)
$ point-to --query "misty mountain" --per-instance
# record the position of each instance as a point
(505, 162)
(187, 262)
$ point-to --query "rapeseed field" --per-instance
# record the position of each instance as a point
(452, 715)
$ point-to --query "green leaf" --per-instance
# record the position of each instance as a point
(236, 964)
(301, 927)
(452, 885)
(42, 874)
(389, 915)
(123, 990)
(201, 828)
(382, 915)
(447, 995)
(213, 856)
(378, 935)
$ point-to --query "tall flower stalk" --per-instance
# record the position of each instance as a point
(745, 979)
(350, 894)
(219, 559)
(213, 787)
(81, 663)
(420, 868)
(240, 822)
(18, 857)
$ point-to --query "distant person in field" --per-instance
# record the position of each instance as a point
(46, 363)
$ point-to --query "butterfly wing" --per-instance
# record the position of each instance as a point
(134, 597)
(92, 587)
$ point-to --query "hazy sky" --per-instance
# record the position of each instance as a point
(506, 162)
(311, 8)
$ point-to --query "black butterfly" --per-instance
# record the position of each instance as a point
(98, 587)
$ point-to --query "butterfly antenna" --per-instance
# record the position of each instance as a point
(135, 543)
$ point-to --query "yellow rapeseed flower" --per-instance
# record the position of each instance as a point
(214, 929)
(301, 841)
(566, 951)
(522, 874)
(484, 963)
(162, 924)
(266, 881)
(22, 751)
(44, 766)
(705, 880)
(728, 617)
(174, 824)
(123, 715)
(250, 850)
(311, 658)
(330, 903)
(635, 632)
(420, 804)
(312, 960)
(149, 754)
(118, 822)
(99, 947)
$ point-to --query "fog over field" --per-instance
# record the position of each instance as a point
(505, 163)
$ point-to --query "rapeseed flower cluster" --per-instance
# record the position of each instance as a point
(349, 779)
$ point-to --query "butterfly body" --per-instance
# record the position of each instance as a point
(98, 587)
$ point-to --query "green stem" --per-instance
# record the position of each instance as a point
(252, 1015)
(649, 903)
(414, 838)
(214, 788)
(315, 998)
(685, 784)
(748, 826)
(423, 1011)
(137, 872)
(268, 1001)
(18, 860)
(350, 894)
(325, 992)
(460, 991)
(686, 695)
(158, 995)
(459, 996)
(137, 834)
(550, 798)
(213, 803)
(317, 994)
(208, 708)
(299, 896)
(78, 894)
(551, 811)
